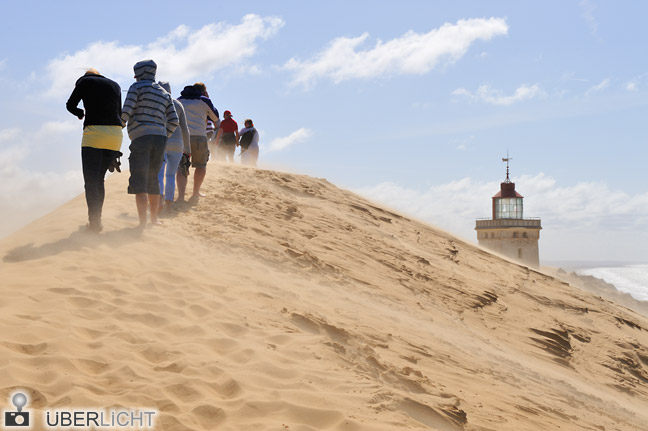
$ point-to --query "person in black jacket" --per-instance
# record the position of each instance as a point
(102, 136)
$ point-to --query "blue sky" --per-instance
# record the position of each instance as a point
(410, 103)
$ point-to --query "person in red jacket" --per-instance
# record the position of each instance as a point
(227, 138)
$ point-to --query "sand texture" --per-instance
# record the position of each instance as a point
(281, 302)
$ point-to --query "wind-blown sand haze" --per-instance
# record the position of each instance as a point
(280, 301)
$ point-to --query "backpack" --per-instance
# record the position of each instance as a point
(246, 138)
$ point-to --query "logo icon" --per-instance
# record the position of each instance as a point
(19, 418)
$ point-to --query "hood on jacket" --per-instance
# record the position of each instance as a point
(165, 85)
(145, 69)
(190, 92)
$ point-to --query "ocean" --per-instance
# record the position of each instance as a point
(631, 279)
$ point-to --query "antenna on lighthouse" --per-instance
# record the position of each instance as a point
(507, 159)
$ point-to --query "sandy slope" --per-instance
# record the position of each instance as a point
(282, 302)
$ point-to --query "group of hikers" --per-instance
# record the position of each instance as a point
(168, 136)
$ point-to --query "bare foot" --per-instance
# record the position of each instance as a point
(93, 227)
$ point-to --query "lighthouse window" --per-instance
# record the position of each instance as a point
(508, 208)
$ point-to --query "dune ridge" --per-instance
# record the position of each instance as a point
(280, 301)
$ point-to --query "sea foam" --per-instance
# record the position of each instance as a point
(631, 279)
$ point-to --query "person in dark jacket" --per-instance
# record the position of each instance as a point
(102, 136)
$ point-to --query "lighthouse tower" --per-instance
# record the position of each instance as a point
(508, 232)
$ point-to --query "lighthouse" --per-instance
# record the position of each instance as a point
(508, 232)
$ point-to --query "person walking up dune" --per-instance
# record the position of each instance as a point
(211, 127)
(197, 111)
(249, 144)
(177, 145)
(102, 136)
(151, 117)
(227, 138)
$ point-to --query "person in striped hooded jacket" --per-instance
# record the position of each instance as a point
(151, 118)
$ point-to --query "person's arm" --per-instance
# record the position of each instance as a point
(172, 119)
(211, 115)
(184, 128)
(238, 137)
(120, 106)
(73, 102)
(255, 138)
(209, 103)
(218, 136)
(129, 104)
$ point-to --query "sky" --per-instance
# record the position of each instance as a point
(412, 104)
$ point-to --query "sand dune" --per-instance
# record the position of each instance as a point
(282, 302)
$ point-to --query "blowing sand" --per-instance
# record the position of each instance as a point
(282, 302)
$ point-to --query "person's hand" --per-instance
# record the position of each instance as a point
(80, 116)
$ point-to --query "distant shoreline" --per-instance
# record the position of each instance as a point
(575, 265)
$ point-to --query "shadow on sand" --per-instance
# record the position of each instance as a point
(75, 242)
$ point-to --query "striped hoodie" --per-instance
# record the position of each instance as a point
(148, 109)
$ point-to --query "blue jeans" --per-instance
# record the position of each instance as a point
(171, 163)
(147, 155)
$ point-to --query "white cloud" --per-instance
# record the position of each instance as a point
(598, 87)
(34, 194)
(9, 157)
(411, 54)
(296, 137)
(34, 191)
(59, 127)
(577, 210)
(636, 82)
(18, 144)
(183, 55)
(3, 63)
(588, 13)
(7, 135)
(495, 97)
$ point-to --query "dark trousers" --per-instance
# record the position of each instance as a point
(145, 161)
(95, 163)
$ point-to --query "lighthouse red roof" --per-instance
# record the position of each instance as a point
(507, 190)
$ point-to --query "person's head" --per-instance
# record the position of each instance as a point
(91, 71)
(227, 114)
(248, 123)
(145, 69)
(165, 85)
(202, 88)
